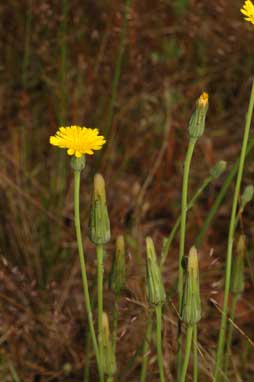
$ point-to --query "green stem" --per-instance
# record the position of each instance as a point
(83, 269)
(187, 352)
(223, 325)
(195, 353)
(230, 331)
(99, 252)
(158, 310)
(176, 226)
(191, 146)
(146, 347)
(218, 201)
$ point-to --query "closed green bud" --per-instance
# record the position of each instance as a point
(197, 121)
(247, 196)
(99, 224)
(78, 164)
(191, 309)
(117, 277)
(155, 288)
(109, 361)
(218, 169)
(237, 280)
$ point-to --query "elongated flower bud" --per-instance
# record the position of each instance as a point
(99, 224)
(109, 361)
(117, 277)
(155, 288)
(247, 196)
(237, 283)
(218, 169)
(197, 121)
(191, 309)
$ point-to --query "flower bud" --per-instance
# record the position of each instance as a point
(155, 288)
(191, 309)
(78, 164)
(197, 121)
(218, 169)
(109, 361)
(246, 196)
(117, 277)
(99, 224)
(237, 280)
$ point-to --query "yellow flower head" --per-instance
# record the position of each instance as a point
(78, 140)
(248, 11)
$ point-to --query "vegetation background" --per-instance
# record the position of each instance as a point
(135, 74)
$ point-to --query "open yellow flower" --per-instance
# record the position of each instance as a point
(78, 140)
(248, 11)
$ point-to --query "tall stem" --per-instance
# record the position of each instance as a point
(187, 353)
(99, 252)
(83, 268)
(158, 311)
(176, 226)
(223, 325)
(146, 347)
(191, 146)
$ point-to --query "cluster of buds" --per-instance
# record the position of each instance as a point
(99, 224)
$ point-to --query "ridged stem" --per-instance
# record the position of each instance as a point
(158, 311)
(83, 268)
(223, 326)
(184, 202)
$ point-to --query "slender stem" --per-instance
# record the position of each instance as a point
(83, 268)
(223, 325)
(195, 353)
(191, 146)
(221, 195)
(158, 310)
(146, 347)
(176, 226)
(230, 332)
(187, 352)
(99, 252)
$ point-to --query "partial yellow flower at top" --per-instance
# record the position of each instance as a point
(203, 99)
(78, 140)
(248, 11)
